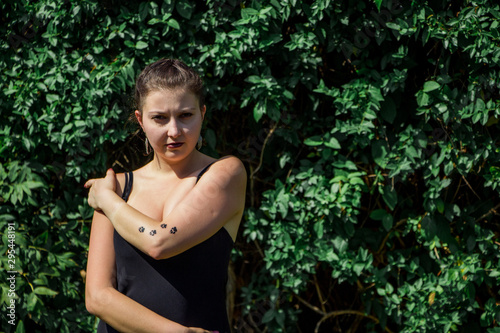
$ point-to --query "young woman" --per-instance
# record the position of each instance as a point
(162, 235)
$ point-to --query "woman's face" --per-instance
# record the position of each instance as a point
(172, 122)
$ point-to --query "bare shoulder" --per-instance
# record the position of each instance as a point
(229, 166)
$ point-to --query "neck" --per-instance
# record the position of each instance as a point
(181, 168)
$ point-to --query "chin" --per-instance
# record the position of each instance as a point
(176, 154)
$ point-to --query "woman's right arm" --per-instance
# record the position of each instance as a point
(103, 300)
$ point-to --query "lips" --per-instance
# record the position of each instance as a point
(174, 144)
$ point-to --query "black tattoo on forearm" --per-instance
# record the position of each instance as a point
(141, 229)
(153, 232)
(163, 225)
(173, 230)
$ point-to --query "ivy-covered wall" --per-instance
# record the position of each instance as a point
(369, 128)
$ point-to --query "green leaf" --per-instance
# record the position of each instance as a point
(288, 94)
(430, 86)
(375, 94)
(259, 110)
(67, 127)
(440, 205)
(358, 268)
(268, 316)
(393, 25)
(141, 45)
(390, 196)
(31, 301)
(314, 141)
(51, 98)
(20, 327)
(378, 214)
(388, 110)
(387, 222)
(44, 291)
(333, 143)
(185, 9)
(422, 98)
(33, 184)
(318, 228)
(494, 274)
(494, 330)
(173, 24)
(379, 153)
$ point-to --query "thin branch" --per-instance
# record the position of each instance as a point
(309, 305)
(258, 248)
(471, 188)
(253, 172)
(491, 211)
(436, 252)
(400, 222)
(294, 161)
(60, 223)
(320, 295)
(262, 151)
(456, 192)
(347, 312)
(252, 198)
(254, 324)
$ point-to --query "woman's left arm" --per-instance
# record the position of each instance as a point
(217, 199)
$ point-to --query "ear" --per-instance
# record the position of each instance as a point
(203, 111)
(138, 116)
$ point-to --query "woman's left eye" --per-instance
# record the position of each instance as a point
(186, 115)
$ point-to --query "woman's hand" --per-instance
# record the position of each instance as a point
(101, 189)
(199, 330)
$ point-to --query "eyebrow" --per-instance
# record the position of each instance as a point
(176, 111)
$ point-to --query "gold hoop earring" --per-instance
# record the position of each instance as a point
(146, 143)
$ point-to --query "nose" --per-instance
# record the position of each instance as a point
(173, 128)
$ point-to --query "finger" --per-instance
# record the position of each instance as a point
(89, 183)
(110, 175)
(111, 179)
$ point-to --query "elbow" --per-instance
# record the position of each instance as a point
(90, 303)
(156, 253)
(158, 250)
(96, 300)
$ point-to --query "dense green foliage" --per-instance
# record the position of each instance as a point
(370, 130)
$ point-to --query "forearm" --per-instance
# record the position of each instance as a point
(126, 315)
(137, 228)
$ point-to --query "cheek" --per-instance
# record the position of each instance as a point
(153, 133)
(193, 128)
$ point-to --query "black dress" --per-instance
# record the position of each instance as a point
(188, 288)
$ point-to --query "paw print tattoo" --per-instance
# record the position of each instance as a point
(163, 225)
(152, 232)
(173, 230)
(141, 229)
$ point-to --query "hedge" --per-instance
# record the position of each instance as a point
(370, 131)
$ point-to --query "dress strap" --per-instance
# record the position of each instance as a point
(203, 171)
(129, 180)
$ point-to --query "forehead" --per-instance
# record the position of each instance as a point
(170, 100)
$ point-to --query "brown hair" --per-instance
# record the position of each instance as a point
(166, 74)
